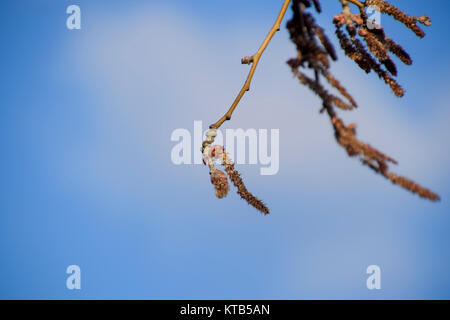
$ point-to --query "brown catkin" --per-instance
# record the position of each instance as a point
(326, 43)
(375, 57)
(351, 51)
(235, 177)
(376, 47)
(320, 90)
(412, 186)
(336, 84)
(369, 47)
(376, 67)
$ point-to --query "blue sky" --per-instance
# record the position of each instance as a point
(87, 179)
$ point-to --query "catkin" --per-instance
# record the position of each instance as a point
(361, 40)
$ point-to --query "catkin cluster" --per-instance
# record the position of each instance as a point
(365, 42)
(314, 53)
(219, 178)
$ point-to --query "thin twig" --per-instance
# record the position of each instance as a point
(254, 60)
(356, 2)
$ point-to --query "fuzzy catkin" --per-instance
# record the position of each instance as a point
(235, 177)
(242, 190)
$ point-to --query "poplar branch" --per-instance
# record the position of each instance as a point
(253, 60)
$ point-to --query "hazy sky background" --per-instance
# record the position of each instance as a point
(87, 178)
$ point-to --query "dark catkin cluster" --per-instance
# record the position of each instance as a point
(365, 42)
(314, 53)
(374, 55)
(242, 191)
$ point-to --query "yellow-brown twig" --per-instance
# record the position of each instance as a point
(254, 61)
(356, 2)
